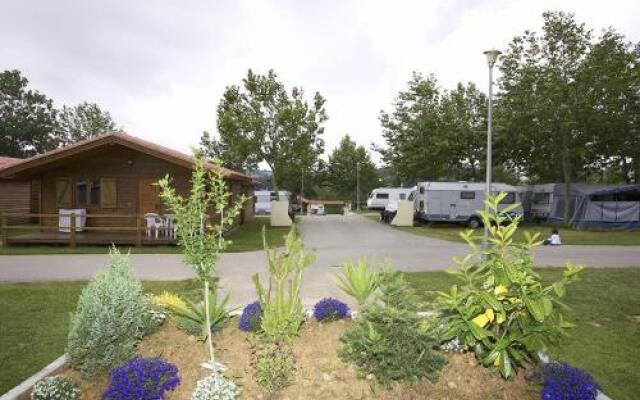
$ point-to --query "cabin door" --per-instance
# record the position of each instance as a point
(148, 196)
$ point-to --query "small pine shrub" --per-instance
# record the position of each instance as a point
(274, 367)
(330, 310)
(251, 317)
(215, 387)
(108, 321)
(561, 382)
(142, 379)
(55, 388)
(390, 340)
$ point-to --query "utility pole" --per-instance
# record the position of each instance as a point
(358, 186)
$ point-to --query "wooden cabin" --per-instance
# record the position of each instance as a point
(112, 178)
(15, 195)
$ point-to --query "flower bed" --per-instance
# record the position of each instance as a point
(320, 374)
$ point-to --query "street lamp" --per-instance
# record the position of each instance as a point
(492, 57)
(358, 186)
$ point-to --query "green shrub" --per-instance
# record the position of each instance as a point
(55, 388)
(108, 321)
(274, 368)
(390, 340)
(501, 310)
(359, 281)
(282, 312)
(191, 317)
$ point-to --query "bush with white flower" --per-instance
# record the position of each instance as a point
(215, 387)
(55, 388)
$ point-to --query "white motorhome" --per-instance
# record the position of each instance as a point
(457, 201)
(263, 199)
(380, 197)
(541, 200)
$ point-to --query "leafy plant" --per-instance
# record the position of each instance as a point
(108, 321)
(390, 340)
(274, 367)
(561, 382)
(330, 310)
(201, 243)
(251, 317)
(282, 312)
(215, 387)
(502, 310)
(55, 388)
(142, 379)
(192, 318)
(358, 281)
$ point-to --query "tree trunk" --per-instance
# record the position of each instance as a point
(207, 319)
(566, 174)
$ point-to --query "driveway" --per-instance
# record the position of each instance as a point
(334, 238)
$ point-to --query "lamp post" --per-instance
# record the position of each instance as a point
(302, 191)
(358, 186)
(492, 57)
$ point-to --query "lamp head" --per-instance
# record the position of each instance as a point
(492, 56)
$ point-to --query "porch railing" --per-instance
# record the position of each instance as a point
(138, 226)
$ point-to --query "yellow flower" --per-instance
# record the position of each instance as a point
(500, 291)
(497, 360)
(483, 319)
(169, 300)
(501, 318)
(489, 313)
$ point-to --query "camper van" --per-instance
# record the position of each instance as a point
(541, 201)
(263, 199)
(380, 197)
(457, 201)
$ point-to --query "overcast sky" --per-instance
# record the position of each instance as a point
(160, 67)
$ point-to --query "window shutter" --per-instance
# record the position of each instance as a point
(63, 192)
(108, 193)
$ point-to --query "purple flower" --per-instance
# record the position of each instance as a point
(251, 317)
(142, 379)
(561, 382)
(329, 309)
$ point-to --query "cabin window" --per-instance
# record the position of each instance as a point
(510, 198)
(403, 196)
(382, 196)
(108, 193)
(63, 192)
(468, 195)
(94, 193)
(81, 194)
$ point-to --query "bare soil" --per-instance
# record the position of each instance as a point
(320, 375)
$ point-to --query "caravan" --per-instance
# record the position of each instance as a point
(380, 197)
(263, 198)
(458, 201)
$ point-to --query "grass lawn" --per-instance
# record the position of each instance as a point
(605, 306)
(569, 236)
(246, 237)
(35, 322)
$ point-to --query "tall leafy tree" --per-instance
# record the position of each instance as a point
(260, 121)
(542, 98)
(83, 121)
(348, 164)
(435, 134)
(27, 118)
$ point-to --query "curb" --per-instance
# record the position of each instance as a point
(27, 384)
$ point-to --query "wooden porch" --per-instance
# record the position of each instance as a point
(88, 238)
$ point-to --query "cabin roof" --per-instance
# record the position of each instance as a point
(8, 160)
(10, 169)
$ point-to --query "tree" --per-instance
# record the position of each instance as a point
(27, 118)
(262, 122)
(202, 244)
(347, 164)
(435, 134)
(541, 100)
(83, 121)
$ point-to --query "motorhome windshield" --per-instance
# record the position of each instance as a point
(382, 195)
(510, 198)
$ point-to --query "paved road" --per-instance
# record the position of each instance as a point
(335, 240)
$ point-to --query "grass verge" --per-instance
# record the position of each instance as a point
(605, 307)
(246, 237)
(35, 320)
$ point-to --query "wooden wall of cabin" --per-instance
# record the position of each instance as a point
(15, 198)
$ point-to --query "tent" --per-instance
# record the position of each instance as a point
(598, 206)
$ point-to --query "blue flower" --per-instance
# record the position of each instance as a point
(561, 382)
(142, 379)
(329, 309)
(251, 317)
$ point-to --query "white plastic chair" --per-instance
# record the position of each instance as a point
(154, 223)
(170, 226)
